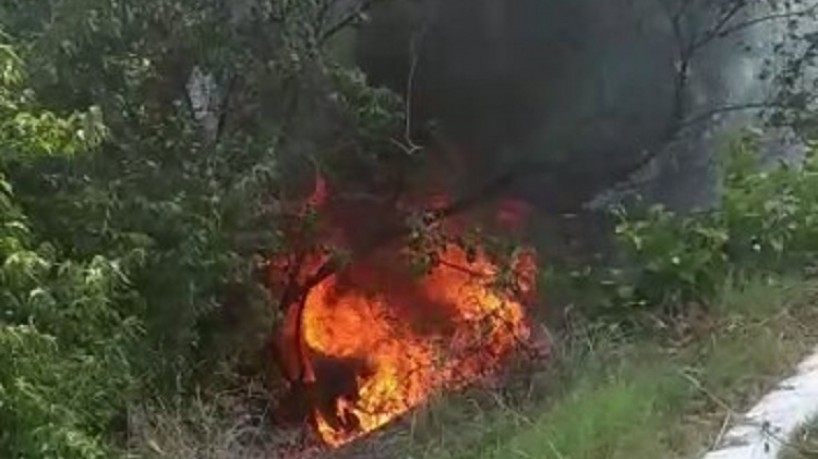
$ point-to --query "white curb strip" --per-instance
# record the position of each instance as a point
(764, 430)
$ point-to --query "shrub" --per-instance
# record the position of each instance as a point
(766, 225)
(671, 259)
(66, 326)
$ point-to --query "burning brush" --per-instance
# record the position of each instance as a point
(372, 341)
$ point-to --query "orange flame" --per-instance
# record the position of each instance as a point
(372, 342)
(409, 338)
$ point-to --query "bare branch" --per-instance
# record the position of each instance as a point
(409, 146)
(718, 30)
(296, 293)
(813, 9)
(687, 50)
(709, 114)
(415, 44)
(323, 13)
(346, 21)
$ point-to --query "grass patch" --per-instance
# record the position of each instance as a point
(611, 394)
(598, 420)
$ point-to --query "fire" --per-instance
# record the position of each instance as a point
(407, 338)
(374, 340)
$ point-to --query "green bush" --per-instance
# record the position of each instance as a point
(131, 241)
(670, 259)
(771, 214)
(766, 225)
(67, 327)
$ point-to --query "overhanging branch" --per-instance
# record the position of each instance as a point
(346, 21)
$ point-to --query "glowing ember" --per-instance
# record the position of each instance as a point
(404, 338)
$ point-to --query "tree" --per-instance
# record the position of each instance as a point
(65, 322)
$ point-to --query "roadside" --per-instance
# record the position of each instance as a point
(668, 390)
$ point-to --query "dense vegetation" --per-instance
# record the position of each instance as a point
(131, 236)
(764, 226)
(137, 214)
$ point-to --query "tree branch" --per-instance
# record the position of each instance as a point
(813, 9)
(409, 146)
(346, 21)
(687, 49)
(718, 29)
(488, 191)
(707, 115)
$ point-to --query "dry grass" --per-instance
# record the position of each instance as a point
(223, 426)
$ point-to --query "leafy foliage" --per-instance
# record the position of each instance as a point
(131, 237)
(64, 327)
(765, 225)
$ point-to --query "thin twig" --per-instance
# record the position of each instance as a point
(723, 430)
(719, 29)
(415, 45)
(773, 17)
(410, 147)
(698, 385)
(346, 21)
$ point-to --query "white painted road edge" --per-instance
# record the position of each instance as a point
(763, 431)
